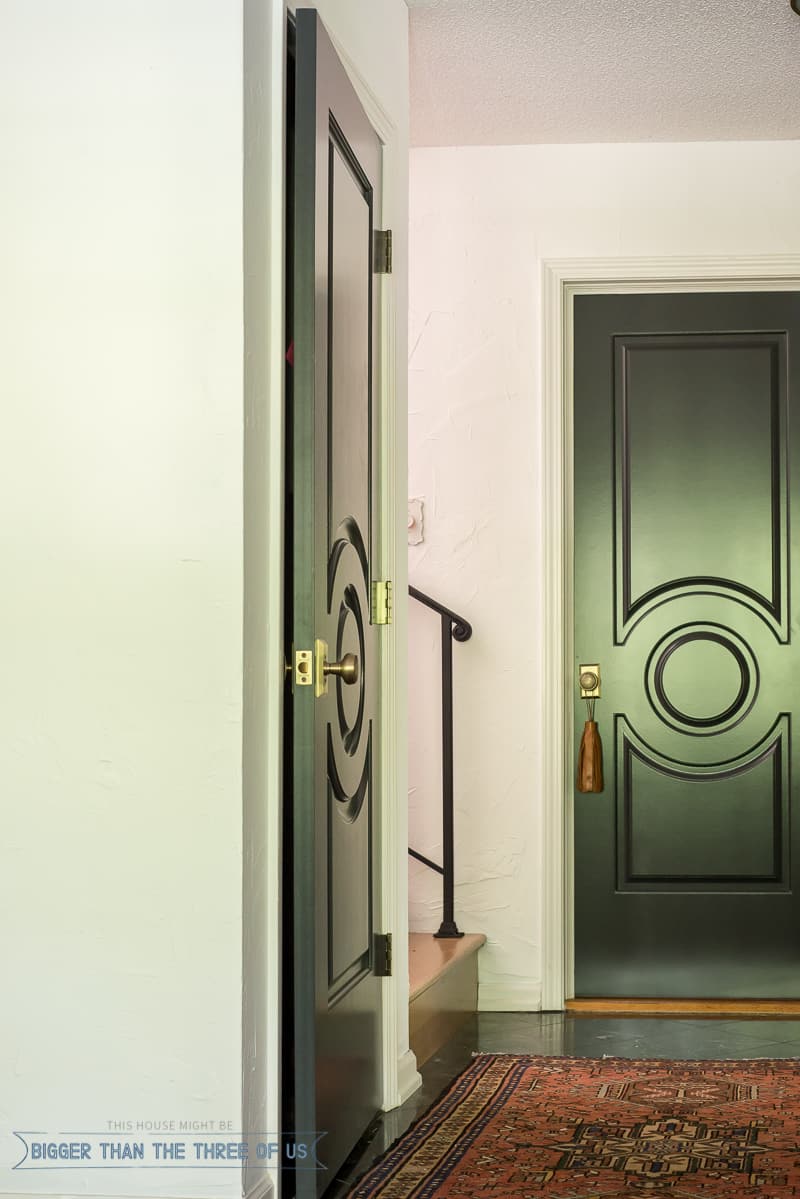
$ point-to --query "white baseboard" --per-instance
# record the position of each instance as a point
(59, 1194)
(409, 1078)
(509, 995)
(262, 1189)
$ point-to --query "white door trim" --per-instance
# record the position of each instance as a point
(562, 279)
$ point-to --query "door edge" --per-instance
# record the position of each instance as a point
(561, 280)
(399, 1075)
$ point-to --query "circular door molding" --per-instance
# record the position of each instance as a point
(349, 727)
(729, 672)
(350, 638)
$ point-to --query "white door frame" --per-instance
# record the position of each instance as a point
(562, 280)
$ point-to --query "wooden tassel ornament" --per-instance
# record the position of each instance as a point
(590, 756)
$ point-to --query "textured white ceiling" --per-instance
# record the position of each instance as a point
(505, 72)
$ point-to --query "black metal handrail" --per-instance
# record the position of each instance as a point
(454, 628)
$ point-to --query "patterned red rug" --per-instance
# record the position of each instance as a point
(573, 1128)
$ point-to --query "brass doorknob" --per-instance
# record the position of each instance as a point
(589, 679)
(345, 669)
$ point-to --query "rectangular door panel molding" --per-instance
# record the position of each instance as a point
(350, 226)
(738, 812)
(701, 450)
(350, 888)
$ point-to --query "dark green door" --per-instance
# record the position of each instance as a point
(686, 582)
(337, 991)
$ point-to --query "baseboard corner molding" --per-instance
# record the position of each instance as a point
(409, 1078)
(509, 995)
(262, 1188)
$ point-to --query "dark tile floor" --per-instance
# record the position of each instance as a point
(555, 1033)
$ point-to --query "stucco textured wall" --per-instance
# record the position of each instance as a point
(482, 221)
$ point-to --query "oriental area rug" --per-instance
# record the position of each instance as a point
(513, 1127)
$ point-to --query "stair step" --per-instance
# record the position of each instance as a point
(444, 988)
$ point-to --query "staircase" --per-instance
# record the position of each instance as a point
(444, 989)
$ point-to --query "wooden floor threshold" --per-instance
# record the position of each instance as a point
(684, 1007)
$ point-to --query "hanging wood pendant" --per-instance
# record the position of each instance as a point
(590, 759)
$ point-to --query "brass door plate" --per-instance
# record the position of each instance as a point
(589, 681)
(303, 668)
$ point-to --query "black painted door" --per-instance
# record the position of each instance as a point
(686, 584)
(337, 994)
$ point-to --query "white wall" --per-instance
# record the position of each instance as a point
(124, 766)
(120, 606)
(482, 222)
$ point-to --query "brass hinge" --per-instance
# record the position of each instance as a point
(382, 601)
(382, 254)
(383, 955)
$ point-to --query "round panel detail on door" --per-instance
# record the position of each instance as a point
(349, 730)
(701, 679)
(350, 639)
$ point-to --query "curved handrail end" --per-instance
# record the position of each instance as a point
(460, 628)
